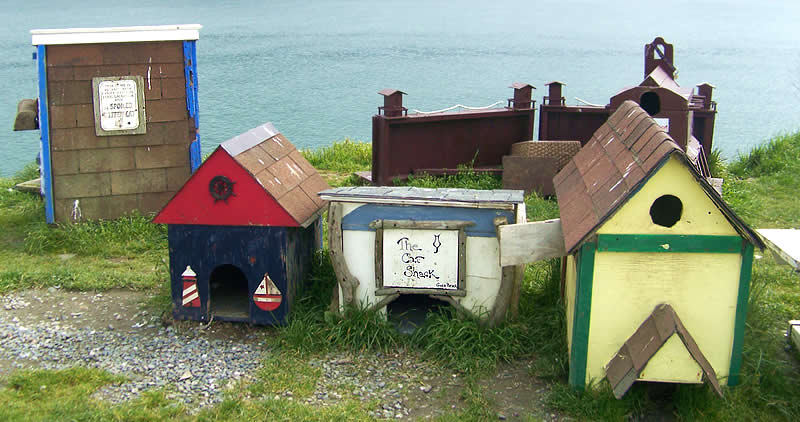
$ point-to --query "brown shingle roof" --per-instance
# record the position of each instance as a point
(619, 158)
(280, 169)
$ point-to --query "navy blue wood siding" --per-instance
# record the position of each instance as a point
(283, 253)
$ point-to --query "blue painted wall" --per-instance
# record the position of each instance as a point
(282, 252)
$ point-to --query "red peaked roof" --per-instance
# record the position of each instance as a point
(255, 179)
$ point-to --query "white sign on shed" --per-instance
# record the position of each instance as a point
(119, 105)
(425, 259)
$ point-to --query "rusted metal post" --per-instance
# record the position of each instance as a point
(705, 90)
(523, 93)
(554, 96)
(392, 103)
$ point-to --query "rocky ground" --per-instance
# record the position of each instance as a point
(196, 362)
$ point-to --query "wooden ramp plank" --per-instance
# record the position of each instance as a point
(794, 333)
(34, 186)
(530, 242)
(784, 243)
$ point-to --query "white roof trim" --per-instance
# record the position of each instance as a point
(118, 34)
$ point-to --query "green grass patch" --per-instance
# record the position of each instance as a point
(129, 252)
(44, 395)
(129, 236)
(345, 156)
(285, 373)
(466, 178)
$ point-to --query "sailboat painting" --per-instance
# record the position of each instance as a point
(267, 296)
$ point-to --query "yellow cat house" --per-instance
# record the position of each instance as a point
(657, 276)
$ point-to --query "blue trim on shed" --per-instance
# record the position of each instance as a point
(192, 104)
(190, 72)
(483, 218)
(195, 156)
(44, 130)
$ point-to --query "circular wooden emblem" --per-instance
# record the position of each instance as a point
(221, 188)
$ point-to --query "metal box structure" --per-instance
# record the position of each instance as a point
(387, 242)
(242, 230)
(688, 114)
(653, 251)
(439, 142)
(118, 117)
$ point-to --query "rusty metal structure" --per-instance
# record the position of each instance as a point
(439, 142)
(688, 114)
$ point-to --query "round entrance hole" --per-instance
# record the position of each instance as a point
(650, 103)
(666, 210)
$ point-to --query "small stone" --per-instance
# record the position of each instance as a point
(185, 376)
(501, 416)
(426, 388)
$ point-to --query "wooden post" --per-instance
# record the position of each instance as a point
(346, 280)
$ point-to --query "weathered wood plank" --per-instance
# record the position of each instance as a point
(519, 270)
(422, 225)
(784, 243)
(794, 333)
(336, 250)
(34, 185)
(411, 290)
(530, 242)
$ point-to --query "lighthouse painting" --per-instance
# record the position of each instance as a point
(267, 296)
(191, 298)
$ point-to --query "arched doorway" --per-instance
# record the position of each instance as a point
(229, 294)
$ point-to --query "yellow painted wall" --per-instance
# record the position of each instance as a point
(673, 363)
(700, 215)
(701, 287)
(569, 296)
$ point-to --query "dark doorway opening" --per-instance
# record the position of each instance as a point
(229, 295)
(650, 103)
(408, 312)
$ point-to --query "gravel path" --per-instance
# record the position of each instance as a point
(196, 363)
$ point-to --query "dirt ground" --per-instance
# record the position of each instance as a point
(511, 390)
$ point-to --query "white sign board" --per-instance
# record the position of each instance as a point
(425, 259)
(119, 105)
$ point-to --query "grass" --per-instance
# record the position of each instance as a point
(347, 156)
(66, 395)
(131, 253)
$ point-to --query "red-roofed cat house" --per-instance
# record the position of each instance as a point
(242, 230)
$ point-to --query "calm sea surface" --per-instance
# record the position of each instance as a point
(313, 68)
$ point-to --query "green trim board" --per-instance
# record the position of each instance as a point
(741, 314)
(582, 316)
(668, 243)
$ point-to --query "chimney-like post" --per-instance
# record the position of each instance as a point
(523, 94)
(705, 90)
(554, 96)
(392, 103)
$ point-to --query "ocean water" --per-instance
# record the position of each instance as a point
(314, 68)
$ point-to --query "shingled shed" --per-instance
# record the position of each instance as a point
(118, 116)
(643, 229)
(242, 230)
